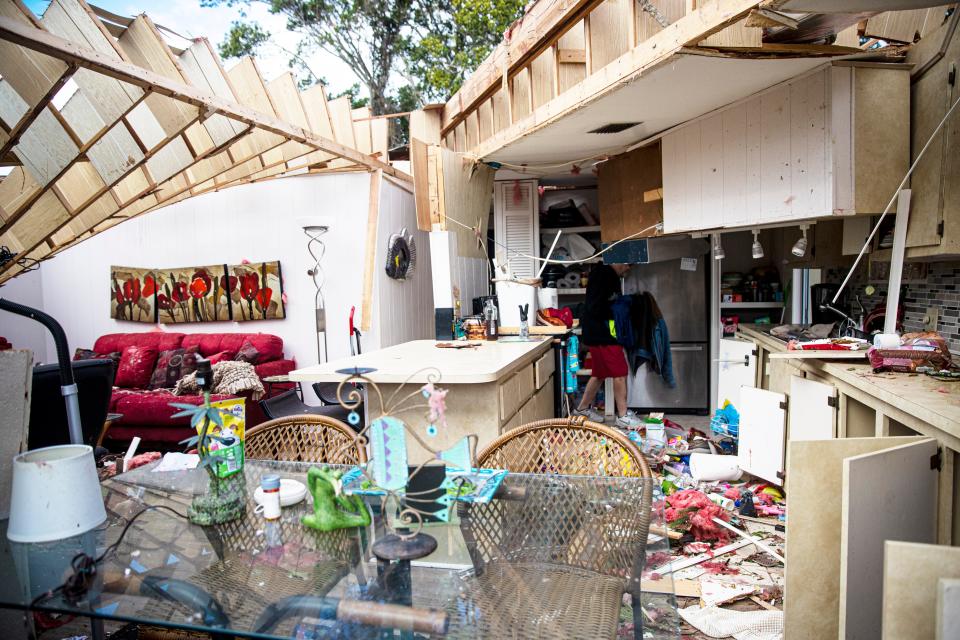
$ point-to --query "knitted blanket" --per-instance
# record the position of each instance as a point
(230, 377)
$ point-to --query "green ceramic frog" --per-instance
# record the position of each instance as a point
(333, 510)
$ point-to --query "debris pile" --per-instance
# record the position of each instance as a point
(725, 533)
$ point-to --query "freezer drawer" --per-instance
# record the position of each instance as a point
(646, 390)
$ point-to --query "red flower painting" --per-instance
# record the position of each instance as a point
(260, 291)
(133, 294)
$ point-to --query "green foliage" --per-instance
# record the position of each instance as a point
(454, 38)
(435, 45)
(243, 39)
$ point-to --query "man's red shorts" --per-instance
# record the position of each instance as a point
(608, 361)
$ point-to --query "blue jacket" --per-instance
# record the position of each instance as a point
(653, 347)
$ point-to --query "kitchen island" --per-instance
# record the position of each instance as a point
(493, 387)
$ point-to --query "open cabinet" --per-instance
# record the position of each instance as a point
(847, 497)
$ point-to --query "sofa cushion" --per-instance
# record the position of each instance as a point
(152, 408)
(220, 357)
(159, 340)
(275, 368)
(173, 365)
(136, 367)
(269, 346)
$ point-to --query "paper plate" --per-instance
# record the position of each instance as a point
(291, 492)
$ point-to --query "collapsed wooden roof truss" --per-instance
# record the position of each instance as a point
(146, 126)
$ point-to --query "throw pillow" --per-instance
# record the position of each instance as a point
(90, 354)
(136, 367)
(220, 357)
(173, 365)
(247, 353)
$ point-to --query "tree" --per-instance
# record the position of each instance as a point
(452, 38)
(436, 44)
(365, 34)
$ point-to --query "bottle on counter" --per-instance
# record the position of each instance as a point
(492, 322)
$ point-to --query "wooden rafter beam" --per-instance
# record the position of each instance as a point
(48, 44)
(647, 55)
(530, 36)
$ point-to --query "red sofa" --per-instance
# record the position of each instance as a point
(146, 413)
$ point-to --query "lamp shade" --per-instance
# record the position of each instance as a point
(56, 494)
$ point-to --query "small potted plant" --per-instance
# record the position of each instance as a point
(226, 498)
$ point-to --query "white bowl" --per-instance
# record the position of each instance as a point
(291, 492)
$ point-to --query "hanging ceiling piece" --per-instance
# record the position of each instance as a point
(102, 120)
(852, 6)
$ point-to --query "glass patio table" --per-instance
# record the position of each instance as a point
(506, 569)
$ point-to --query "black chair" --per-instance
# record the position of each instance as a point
(48, 414)
(289, 403)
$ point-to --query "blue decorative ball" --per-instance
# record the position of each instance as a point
(353, 418)
(432, 430)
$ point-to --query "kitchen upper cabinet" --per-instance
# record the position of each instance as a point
(834, 141)
(934, 226)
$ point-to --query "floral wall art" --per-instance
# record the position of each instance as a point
(213, 293)
(133, 294)
(259, 294)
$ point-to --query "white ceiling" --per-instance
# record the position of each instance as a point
(685, 88)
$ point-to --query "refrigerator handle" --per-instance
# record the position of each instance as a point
(686, 347)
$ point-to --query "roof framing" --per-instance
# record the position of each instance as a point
(147, 126)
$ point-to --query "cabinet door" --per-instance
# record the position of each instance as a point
(738, 368)
(762, 433)
(887, 495)
(813, 410)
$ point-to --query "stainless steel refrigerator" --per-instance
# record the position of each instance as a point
(680, 287)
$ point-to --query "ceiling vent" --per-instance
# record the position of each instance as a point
(614, 127)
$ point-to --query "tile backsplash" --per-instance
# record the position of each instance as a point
(939, 289)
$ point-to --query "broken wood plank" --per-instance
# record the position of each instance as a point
(370, 247)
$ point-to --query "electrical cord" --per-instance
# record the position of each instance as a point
(85, 566)
(519, 254)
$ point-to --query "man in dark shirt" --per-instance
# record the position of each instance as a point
(607, 357)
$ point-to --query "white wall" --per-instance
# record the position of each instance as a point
(24, 333)
(257, 222)
(404, 309)
(468, 276)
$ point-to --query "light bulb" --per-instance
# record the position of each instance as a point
(718, 252)
(800, 246)
(757, 249)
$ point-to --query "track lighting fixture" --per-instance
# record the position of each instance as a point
(757, 250)
(718, 252)
(800, 246)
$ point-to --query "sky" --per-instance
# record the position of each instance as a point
(189, 19)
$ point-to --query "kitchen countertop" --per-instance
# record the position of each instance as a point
(932, 401)
(411, 362)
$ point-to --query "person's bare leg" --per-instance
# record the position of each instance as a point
(590, 393)
(620, 395)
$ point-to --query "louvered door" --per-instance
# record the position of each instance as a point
(517, 225)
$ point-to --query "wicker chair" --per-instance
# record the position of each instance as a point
(553, 551)
(305, 438)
